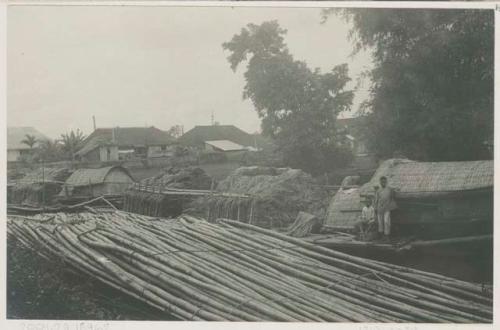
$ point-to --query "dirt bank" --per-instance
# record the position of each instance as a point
(39, 289)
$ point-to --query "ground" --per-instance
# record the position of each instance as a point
(39, 289)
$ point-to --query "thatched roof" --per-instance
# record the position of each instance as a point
(411, 178)
(58, 175)
(16, 134)
(126, 137)
(91, 144)
(38, 186)
(344, 209)
(86, 176)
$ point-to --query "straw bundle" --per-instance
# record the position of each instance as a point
(183, 178)
(277, 196)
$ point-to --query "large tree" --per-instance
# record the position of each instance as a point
(432, 81)
(297, 105)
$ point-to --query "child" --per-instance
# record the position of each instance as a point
(367, 217)
(368, 212)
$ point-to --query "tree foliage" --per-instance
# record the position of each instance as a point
(176, 131)
(50, 151)
(297, 105)
(71, 142)
(29, 140)
(432, 81)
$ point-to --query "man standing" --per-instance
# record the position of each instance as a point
(385, 203)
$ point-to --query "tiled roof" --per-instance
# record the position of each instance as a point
(126, 137)
(225, 145)
(197, 136)
(16, 134)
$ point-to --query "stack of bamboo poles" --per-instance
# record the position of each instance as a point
(98, 203)
(232, 271)
(152, 204)
(241, 209)
(305, 224)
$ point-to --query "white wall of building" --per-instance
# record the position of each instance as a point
(13, 155)
(108, 153)
(159, 151)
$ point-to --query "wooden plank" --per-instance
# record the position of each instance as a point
(454, 240)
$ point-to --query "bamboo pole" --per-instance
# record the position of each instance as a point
(197, 270)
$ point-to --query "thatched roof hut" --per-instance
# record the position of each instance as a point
(47, 174)
(344, 209)
(110, 180)
(434, 198)
(38, 187)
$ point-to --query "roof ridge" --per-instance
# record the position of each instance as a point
(142, 127)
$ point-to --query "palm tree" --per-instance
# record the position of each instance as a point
(30, 140)
(71, 142)
(50, 150)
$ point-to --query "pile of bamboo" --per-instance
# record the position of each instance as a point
(217, 206)
(146, 203)
(305, 224)
(234, 271)
(93, 205)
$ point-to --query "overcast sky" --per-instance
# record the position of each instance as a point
(136, 66)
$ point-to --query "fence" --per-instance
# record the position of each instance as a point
(163, 190)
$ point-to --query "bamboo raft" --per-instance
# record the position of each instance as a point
(440, 247)
(232, 271)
